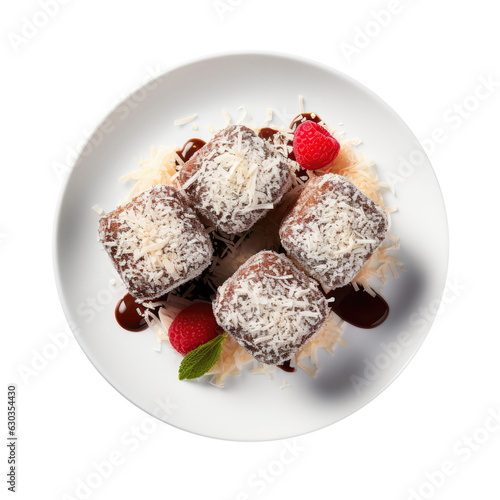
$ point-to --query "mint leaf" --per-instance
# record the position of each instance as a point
(198, 361)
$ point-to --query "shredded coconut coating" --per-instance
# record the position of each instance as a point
(270, 307)
(235, 179)
(155, 242)
(332, 230)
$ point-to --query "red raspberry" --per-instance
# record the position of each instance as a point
(314, 147)
(192, 327)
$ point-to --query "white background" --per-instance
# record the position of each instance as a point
(426, 59)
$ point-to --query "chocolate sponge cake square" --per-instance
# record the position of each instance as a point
(270, 307)
(332, 230)
(235, 179)
(155, 242)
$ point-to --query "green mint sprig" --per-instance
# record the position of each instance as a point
(198, 361)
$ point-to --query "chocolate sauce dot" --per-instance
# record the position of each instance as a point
(127, 316)
(190, 148)
(267, 133)
(304, 117)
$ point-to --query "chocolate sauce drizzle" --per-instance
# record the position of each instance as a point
(286, 367)
(358, 307)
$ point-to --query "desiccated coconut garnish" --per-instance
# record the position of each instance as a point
(183, 121)
(158, 169)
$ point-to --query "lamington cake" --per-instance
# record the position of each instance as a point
(332, 230)
(270, 307)
(155, 242)
(235, 179)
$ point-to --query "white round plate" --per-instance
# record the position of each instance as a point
(250, 407)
